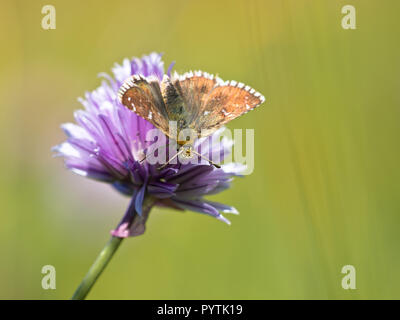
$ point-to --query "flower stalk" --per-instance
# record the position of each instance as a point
(97, 268)
(131, 220)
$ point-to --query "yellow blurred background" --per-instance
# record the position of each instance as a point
(325, 189)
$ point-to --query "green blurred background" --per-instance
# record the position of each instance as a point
(325, 190)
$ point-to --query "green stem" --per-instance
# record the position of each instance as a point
(137, 226)
(97, 268)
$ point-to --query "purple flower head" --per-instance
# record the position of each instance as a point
(108, 142)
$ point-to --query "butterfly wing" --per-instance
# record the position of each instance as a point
(210, 102)
(143, 96)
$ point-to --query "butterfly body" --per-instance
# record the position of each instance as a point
(189, 106)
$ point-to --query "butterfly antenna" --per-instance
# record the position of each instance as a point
(209, 161)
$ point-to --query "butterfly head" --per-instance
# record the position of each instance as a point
(186, 151)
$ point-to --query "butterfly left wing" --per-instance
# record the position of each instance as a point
(226, 101)
(143, 96)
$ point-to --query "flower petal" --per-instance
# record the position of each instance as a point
(222, 207)
(162, 189)
(201, 207)
(139, 199)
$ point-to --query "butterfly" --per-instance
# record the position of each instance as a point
(198, 101)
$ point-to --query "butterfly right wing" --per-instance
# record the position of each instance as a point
(226, 101)
(143, 96)
(211, 103)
